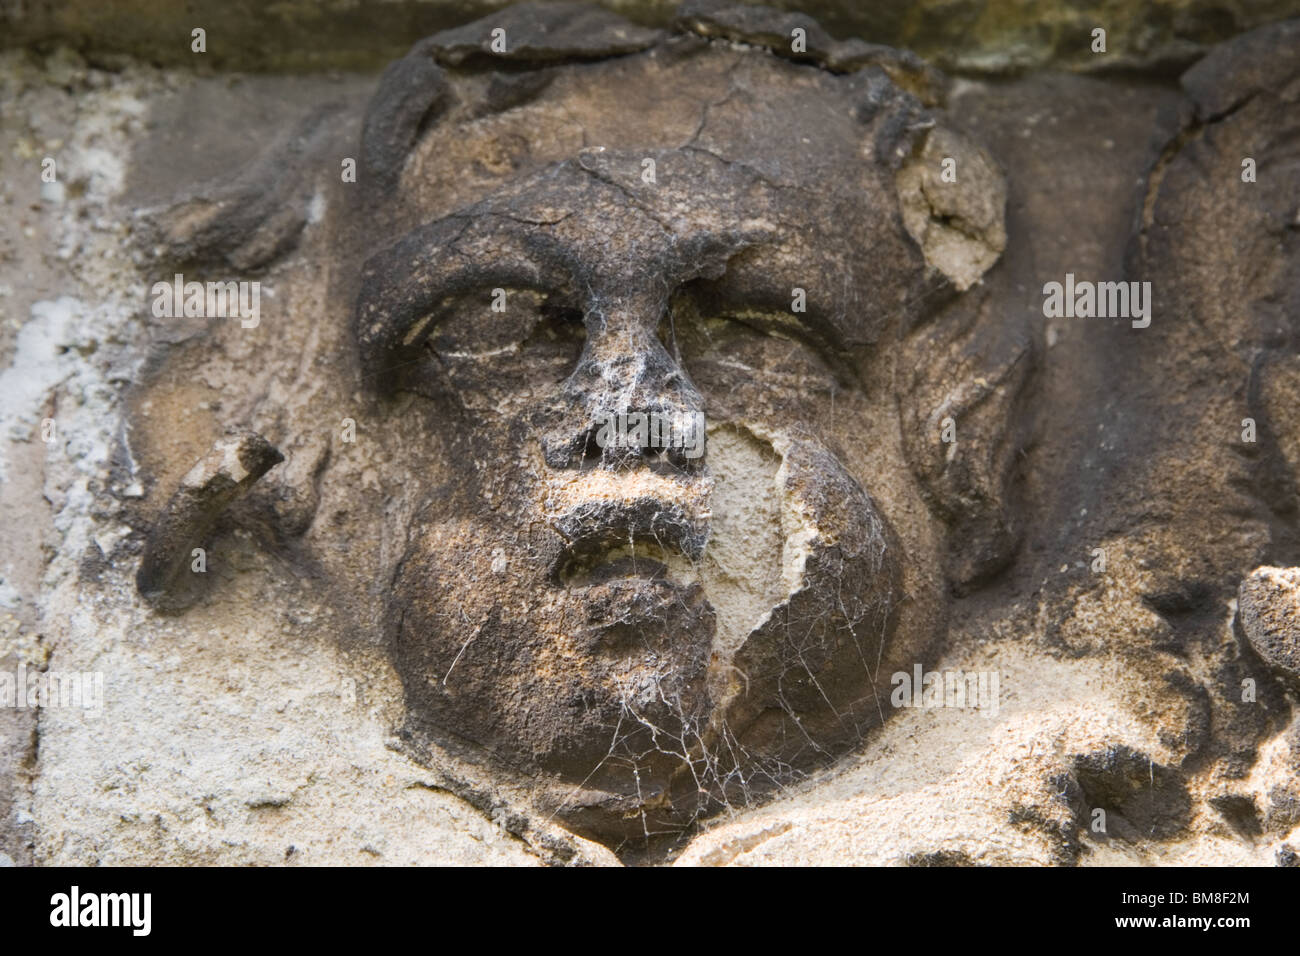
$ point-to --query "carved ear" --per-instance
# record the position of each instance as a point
(963, 377)
(250, 220)
(964, 385)
(953, 199)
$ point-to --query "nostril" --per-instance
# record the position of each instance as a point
(586, 453)
(601, 449)
(665, 440)
(685, 459)
(592, 453)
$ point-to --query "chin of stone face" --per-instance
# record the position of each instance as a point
(588, 439)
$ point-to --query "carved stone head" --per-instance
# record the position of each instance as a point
(666, 334)
(650, 302)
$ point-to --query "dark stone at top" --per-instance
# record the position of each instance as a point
(774, 29)
(540, 33)
(1262, 60)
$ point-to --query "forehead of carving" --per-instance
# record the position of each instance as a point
(670, 215)
(590, 230)
(795, 124)
(743, 143)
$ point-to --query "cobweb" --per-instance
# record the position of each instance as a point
(714, 771)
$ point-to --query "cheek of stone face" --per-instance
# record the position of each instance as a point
(585, 683)
(803, 568)
(764, 368)
(816, 669)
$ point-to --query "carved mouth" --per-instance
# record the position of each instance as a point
(648, 539)
(602, 561)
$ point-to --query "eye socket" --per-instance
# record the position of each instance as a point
(480, 326)
(692, 328)
(497, 341)
(769, 349)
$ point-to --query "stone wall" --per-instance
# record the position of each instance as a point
(978, 36)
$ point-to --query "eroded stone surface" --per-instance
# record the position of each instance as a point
(214, 483)
(1269, 606)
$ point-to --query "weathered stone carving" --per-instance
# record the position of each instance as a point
(571, 608)
(212, 485)
(602, 219)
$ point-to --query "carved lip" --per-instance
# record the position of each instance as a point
(643, 539)
(606, 568)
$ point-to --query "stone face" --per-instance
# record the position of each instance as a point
(631, 276)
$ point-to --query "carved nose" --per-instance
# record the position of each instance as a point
(628, 403)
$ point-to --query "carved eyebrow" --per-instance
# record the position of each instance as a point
(404, 285)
